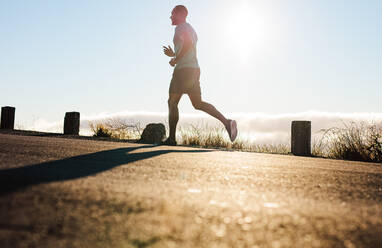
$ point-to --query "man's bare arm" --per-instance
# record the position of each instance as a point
(185, 47)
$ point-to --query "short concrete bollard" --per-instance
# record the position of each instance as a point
(301, 138)
(72, 123)
(7, 117)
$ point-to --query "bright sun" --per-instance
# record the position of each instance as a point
(245, 29)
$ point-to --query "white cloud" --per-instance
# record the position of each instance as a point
(257, 127)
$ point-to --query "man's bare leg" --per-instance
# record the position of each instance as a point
(230, 125)
(197, 102)
(173, 114)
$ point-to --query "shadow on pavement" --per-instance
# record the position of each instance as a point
(75, 167)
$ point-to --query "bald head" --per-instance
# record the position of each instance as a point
(181, 10)
(179, 14)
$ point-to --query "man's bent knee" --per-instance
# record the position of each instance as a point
(198, 105)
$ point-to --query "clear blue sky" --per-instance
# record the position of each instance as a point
(255, 56)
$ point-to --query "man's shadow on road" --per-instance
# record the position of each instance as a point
(75, 167)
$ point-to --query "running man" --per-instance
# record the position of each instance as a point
(185, 78)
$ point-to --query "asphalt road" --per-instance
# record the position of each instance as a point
(57, 192)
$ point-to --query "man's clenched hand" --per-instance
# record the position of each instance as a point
(168, 51)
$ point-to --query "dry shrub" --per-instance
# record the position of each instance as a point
(116, 128)
(204, 136)
(354, 141)
(271, 148)
(100, 130)
(213, 137)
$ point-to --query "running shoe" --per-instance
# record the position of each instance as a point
(169, 142)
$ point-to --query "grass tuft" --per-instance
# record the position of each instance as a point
(354, 141)
(116, 128)
(100, 130)
(214, 137)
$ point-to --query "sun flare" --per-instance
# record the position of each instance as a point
(245, 29)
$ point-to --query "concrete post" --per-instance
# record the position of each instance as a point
(301, 138)
(72, 123)
(7, 117)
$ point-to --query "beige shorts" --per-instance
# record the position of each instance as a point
(185, 81)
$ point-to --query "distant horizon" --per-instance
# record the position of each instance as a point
(260, 128)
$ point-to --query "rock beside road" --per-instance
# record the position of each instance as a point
(154, 133)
